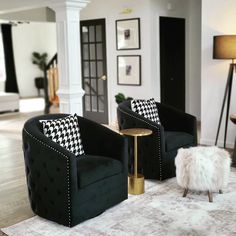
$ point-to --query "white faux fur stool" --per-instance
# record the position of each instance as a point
(203, 169)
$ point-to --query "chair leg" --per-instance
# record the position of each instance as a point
(210, 196)
(220, 191)
(185, 192)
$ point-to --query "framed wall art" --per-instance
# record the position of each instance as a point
(128, 34)
(129, 70)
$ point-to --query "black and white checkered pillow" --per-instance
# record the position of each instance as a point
(146, 108)
(65, 132)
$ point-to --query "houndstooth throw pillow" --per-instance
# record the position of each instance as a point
(65, 132)
(146, 108)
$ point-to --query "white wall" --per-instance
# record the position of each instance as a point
(27, 38)
(149, 12)
(111, 11)
(2, 64)
(218, 17)
(193, 70)
(2, 86)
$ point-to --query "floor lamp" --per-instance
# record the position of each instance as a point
(224, 47)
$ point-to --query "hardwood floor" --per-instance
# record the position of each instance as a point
(14, 204)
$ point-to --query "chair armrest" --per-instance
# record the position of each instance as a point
(51, 174)
(50, 154)
(44, 147)
(175, 120)
(100, 140)
(129, 119)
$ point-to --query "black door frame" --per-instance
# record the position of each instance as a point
(96, 116)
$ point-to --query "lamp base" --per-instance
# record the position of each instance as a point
(227, 95)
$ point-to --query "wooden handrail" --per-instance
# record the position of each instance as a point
(52, 63)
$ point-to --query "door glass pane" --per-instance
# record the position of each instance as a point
(86, 69)
(93, 69)
(85, 52)
(101, 103)
(87, 102)
(91, 34)
(92, 51)
(94, 104)
(100, 68)
(86, 86)
(100, 87)
(98, 33)
(85, 33)
(94, 86)
(99, 51)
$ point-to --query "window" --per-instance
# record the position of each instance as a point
(2, 60)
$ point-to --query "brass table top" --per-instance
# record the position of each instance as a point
(136, 132)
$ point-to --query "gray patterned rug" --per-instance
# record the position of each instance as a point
(161, 211)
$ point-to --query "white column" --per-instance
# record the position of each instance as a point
(69, 58)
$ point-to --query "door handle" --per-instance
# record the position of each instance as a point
(103, 77)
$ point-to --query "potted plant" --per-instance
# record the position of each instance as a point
(40, 60)
(120, 97)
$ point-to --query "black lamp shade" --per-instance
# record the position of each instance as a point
(224, 47)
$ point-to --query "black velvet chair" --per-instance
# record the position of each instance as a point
(157, 152)
(67, 189)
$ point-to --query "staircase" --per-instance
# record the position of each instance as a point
(51, 84)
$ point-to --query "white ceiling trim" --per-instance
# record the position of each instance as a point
(7, 6)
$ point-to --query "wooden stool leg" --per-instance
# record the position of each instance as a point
(210, 196)
(185, 192)
(220, 191)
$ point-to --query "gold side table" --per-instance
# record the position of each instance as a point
(136, 181)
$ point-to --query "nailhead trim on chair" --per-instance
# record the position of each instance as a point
(159, 156)
(68, 174)
(158, 140)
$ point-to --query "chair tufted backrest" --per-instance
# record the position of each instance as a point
(48, 175)
(33, 125)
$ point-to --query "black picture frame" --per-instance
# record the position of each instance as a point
(128, 34)
(129, 70)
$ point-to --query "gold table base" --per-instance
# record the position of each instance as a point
(136, 181)
(136, 184)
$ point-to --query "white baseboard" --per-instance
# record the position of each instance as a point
(211, 142)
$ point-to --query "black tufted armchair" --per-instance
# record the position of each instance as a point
(157, 152)
(69, 190)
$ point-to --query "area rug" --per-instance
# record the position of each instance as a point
(160, 211)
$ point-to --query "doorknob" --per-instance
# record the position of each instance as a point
(103, 77)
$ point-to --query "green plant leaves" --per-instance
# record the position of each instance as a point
(120, 97)
(39, 59)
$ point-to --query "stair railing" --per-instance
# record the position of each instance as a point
(51, 84)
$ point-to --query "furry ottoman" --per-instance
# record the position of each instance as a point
(203, 169)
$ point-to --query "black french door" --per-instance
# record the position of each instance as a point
(94, 70)
(172, 61)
